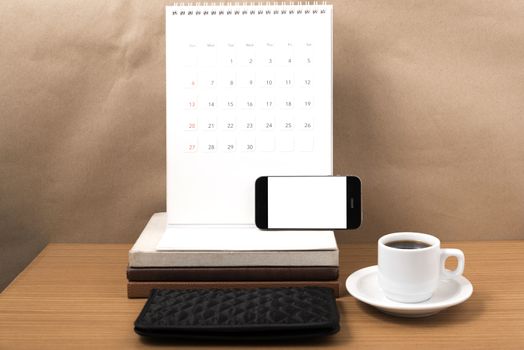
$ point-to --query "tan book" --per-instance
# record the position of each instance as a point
(143, 289)
(145, 252)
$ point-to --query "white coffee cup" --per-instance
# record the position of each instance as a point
(411, 274)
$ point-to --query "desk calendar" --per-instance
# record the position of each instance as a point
(248, 93)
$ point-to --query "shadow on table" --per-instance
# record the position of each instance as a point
(470, 310)
(302, 343)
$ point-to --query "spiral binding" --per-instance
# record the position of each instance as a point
(242, 8)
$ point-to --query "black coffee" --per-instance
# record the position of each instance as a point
(408, 244)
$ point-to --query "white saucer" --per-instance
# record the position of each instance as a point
(363, 285)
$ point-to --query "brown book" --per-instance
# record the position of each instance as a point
(143, 289)
(269, 273)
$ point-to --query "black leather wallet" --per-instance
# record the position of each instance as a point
(239, 313)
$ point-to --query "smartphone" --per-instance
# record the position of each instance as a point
(307, 202)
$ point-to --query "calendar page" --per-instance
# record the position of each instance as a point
(249, 94)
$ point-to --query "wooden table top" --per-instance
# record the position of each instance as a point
(73, 296)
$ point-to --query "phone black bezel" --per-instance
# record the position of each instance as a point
(353, 196)
(353, 212)
(261, 202)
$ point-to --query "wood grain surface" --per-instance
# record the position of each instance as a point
(73, 296)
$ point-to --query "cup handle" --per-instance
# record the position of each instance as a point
(444, 255)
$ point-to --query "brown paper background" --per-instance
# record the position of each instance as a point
(428, 110)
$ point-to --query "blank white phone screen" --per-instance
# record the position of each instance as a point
(306, 202)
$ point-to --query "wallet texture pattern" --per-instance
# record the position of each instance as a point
(239, 313)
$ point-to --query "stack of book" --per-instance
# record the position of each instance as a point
(272, 266)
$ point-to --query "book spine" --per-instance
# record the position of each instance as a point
(311, 273)
(251, 258)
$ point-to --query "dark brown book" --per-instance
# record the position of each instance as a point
(143, 289)
(270, 273)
